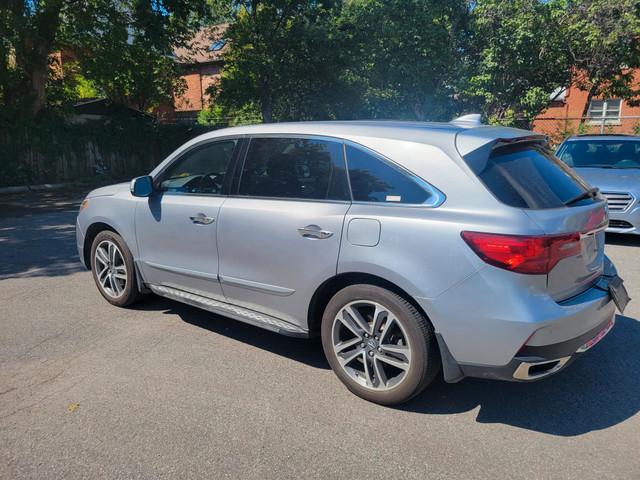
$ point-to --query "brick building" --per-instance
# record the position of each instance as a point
(202, 58)
(563, 117)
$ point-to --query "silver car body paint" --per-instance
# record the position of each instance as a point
(622, 185)
(253, 256)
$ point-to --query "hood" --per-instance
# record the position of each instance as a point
(108, 190)
(611, 179)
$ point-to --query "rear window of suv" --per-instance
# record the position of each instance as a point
(527, 176)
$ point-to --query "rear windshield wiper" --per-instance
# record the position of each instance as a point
(586, 194)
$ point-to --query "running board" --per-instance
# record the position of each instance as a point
(232, 311)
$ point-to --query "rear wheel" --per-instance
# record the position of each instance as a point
(113, 270)
(378, 344)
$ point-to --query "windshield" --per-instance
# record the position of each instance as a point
(600, 153)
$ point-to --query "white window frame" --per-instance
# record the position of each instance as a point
(596, 110)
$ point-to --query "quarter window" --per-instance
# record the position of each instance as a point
(373, 180)
(294, 168)
(201, 170)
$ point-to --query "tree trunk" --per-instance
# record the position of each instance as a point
(266, 112)
(38, 82)
(592, 92)
(34, 48)
(418, 110)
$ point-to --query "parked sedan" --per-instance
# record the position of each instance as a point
(406, 246)
(611, 163)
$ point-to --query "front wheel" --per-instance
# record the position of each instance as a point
(378, 344)
(113, 270)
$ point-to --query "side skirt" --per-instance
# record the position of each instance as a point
(232, 311)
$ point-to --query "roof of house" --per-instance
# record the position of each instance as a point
(102, 107)
(207, 46)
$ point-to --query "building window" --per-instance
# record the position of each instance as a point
(218, 45)
(597, 111)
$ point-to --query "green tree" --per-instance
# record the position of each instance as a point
(122, 45)
(283, 56)
(405, 55)
(518, 57)
(603, 38)
(29, 34)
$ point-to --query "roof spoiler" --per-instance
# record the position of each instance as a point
(470, 120)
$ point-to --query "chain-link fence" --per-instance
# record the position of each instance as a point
(559, 128)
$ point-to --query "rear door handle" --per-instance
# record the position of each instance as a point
(314, 231)
(201, 219)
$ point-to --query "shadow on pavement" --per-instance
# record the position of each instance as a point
(623, 239)
(38, 202)
(597, 391)
(39, 245)
(307, 351)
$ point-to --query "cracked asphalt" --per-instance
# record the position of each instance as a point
(164, 390)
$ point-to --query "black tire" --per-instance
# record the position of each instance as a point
(113, 269)
(359, 345)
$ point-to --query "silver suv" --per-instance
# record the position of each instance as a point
(405, 246)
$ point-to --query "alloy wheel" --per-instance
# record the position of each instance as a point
(111, 270)
(371, 345)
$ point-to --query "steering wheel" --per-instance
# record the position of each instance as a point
(208, 183)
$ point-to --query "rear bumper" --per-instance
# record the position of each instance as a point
(534, 363)
(512, 332)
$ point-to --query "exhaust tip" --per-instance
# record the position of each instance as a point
(537, 370)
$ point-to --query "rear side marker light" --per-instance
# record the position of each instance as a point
(529, 254)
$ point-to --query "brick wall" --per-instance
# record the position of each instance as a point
(563, 117)
(194, 98)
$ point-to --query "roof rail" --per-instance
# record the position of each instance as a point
(470, 120)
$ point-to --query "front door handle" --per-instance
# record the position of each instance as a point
(314, 231)
(201, 219)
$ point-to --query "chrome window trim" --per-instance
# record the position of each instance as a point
(189, 194)
(435, 199)
(291, 199)
(294, 135)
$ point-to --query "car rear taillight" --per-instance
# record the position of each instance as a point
(530, 254)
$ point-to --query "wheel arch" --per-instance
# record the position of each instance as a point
(92, 232)
(329, 288)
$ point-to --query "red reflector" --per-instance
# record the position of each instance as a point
(531, 254)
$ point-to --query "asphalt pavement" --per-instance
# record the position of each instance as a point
(164, 390)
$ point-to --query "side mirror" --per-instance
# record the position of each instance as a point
(141, 186)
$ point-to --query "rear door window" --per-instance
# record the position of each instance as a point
(301, 168)
(374, 180)
(528, 176)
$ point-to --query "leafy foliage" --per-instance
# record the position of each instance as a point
(518, 58)
(405, 55)
(218, 115)
(603, 37)
(282, 57)
(123, 47)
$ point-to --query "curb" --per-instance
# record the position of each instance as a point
(33, 188)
